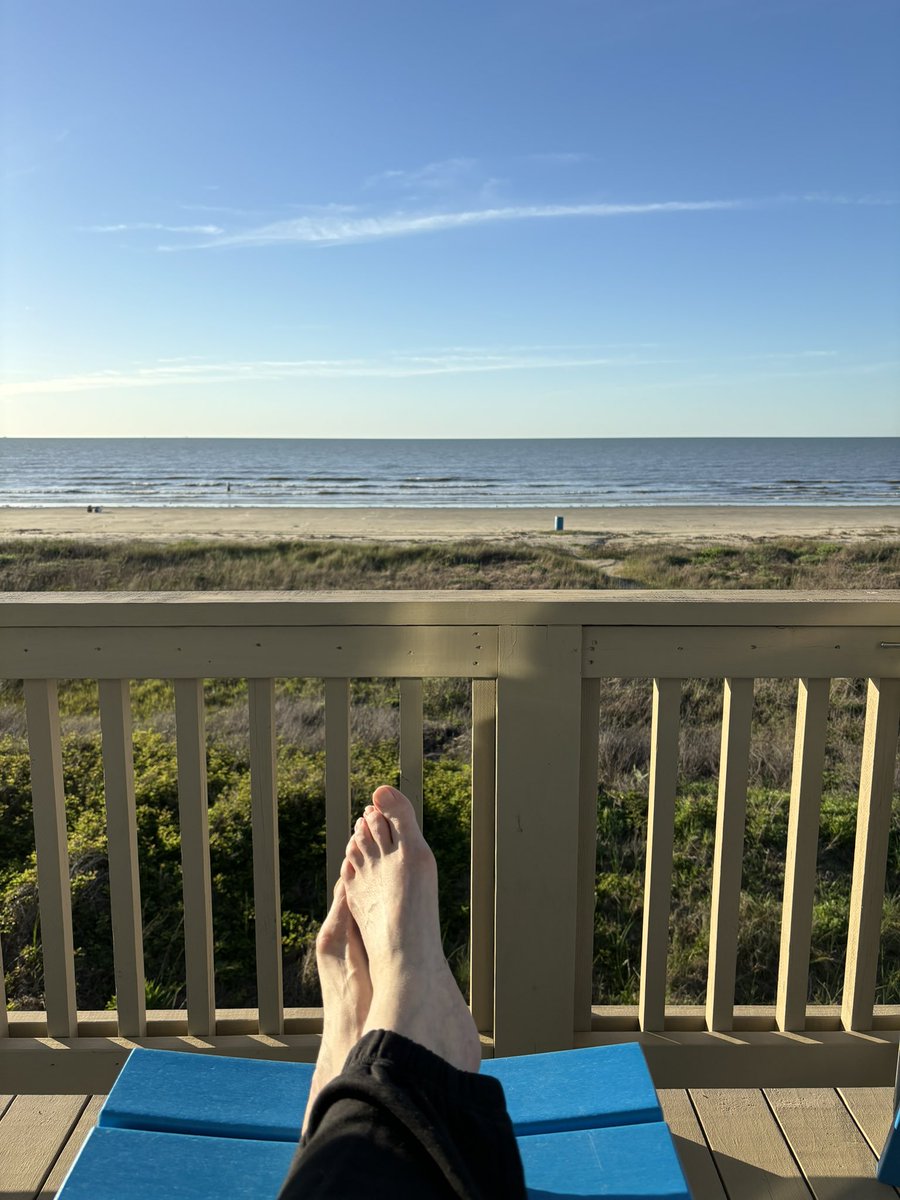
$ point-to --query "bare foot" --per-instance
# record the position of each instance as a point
(346, 991)
(390, 878)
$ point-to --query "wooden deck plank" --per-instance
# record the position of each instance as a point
(83, 1127)
(872, 1109)
(693, 1152)
(33, 1131)
(835, 1158)
(750, 1152)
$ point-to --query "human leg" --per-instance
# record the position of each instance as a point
(407, 1115)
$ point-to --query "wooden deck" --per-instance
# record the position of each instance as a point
(739, 1144)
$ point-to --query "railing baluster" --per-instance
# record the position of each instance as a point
(124, 876)
(337, 777)
(481, 912)
(876, 785)
(411, 749)
(660, 842)
(586, 866)
(802, 846)
(54, 892)
(729, 852)
(538, 751)
(4, 1019)
(193, 811)
(266, 872)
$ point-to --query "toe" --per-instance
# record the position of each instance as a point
(354, 853)
(379, 828)
(397, 810)
(362, 836)
(347, 870)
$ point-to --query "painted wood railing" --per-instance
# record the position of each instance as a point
(536, 662)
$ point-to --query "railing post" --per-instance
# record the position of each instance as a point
(873, 823)
(51, 846)
(587, 854)
(411, 747)
(538, 744)
(4, 1019)
(481, 905)
(660, 844)
(800, 859)
(266, 863)
(337, 778)
(731, 813)
(124, 871)
(196, 881)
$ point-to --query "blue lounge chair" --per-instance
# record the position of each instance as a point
(587, 1123)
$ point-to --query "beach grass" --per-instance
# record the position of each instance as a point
(326, 565)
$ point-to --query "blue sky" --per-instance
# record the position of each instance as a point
(405, 217)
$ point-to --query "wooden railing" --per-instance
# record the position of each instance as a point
(536, 662)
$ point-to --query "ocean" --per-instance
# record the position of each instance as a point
(490, 473)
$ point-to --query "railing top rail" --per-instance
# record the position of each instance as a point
(229, 609)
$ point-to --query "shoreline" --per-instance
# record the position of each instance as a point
(683, 524)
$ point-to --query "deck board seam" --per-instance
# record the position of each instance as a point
(62, 1145)
(787, 1142)
(865, 1137)
(703, 1134)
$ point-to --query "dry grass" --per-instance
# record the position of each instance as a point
(67, 565)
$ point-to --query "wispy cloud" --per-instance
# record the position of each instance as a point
(156, 227)
(167, 372)
(337, 230)
(182, 371)
(333, 226)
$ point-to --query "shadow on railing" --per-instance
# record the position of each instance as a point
(536, 662)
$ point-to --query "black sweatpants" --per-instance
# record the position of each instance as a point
(401, 1122)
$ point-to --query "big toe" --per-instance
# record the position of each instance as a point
(398, 811)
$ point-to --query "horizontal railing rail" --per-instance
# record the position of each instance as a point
(537, 663)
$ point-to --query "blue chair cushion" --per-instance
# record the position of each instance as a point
(888, 1169)
(117, 1163)
(633, 1162)
(176, 1092)
(577, 1089)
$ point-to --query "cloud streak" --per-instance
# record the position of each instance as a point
(155, 227)
(339, 230)
(336, 228)
(399, 366)
(179, 371)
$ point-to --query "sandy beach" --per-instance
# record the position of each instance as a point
(684, 525)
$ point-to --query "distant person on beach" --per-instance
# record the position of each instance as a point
(396, 1108)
